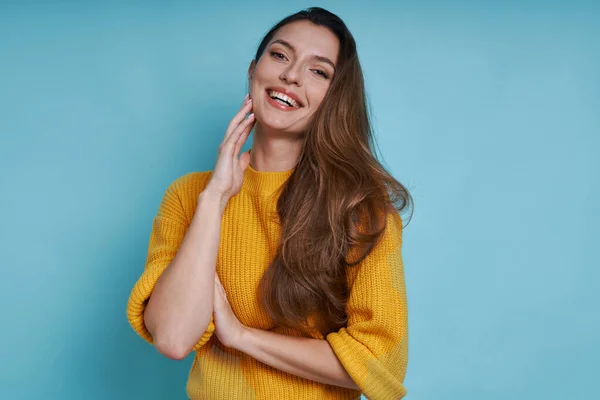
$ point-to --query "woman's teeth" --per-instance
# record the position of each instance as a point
(282, 98)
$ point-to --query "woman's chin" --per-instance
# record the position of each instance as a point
(273, 125)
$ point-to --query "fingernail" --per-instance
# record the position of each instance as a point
(251, 115)
(246, 97)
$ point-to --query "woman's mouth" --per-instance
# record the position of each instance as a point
(281, 101)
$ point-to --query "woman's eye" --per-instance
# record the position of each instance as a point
(277, 55)
(322, 73)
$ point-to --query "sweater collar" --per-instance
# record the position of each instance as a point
(263, 182)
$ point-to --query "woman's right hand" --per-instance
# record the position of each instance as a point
(228, 174)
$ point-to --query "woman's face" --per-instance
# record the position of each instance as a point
(290, 79)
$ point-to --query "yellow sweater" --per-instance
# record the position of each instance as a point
(373, 348)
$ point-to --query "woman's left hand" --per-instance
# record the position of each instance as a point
(228, 328)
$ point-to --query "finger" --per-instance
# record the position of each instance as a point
(243, 137)
(221, 290)
(238, 118)
(245, 128)
(218, 283)
(235, 123)
(218, 291)
(244, 160)
(235, 135)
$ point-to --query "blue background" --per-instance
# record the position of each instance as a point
(488, 111)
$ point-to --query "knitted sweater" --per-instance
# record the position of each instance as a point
(373, 347)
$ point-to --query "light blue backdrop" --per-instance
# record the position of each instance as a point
(487, 111)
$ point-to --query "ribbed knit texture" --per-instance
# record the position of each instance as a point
(373, 347)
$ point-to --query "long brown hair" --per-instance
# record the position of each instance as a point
(336, 201)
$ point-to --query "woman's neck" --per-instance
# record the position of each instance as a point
(272, 152)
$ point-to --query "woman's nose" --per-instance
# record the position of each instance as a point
(291, 75)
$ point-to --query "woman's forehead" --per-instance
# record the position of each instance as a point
(304, 37)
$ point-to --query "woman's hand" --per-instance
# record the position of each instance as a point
(228, 173)
(228, 328)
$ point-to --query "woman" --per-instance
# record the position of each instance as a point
(282, 267)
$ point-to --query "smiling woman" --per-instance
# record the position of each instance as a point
(281, 267)
(293, 73)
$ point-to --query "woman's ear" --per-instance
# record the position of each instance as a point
(251, 72)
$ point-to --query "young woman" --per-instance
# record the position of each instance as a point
(282, 266)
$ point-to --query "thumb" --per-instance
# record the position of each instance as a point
(244, 160)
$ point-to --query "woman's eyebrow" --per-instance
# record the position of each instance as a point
(292, 48)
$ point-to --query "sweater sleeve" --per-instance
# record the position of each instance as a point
(373, 347)
(168, 230)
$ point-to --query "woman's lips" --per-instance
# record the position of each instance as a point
(277, 104)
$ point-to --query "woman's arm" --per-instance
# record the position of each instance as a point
(180, 308)
(305, 357)
(181, 304)
(369, 354)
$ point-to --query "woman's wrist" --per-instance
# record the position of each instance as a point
(213, 198)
